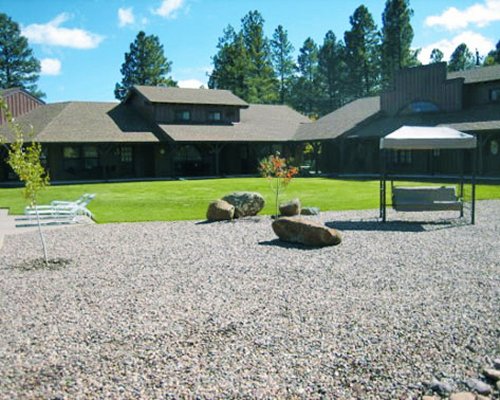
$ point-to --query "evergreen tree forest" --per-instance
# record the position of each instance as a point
(322, 76)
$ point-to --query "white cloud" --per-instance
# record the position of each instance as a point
(125, 16)
(50, 66)
(53, 34)
(169, 8)
(479, 14)
(190, 84)
(473, 41)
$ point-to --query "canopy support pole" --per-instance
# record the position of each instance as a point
(473, 183)
(383, 186)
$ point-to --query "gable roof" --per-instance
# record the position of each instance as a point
(340, 121)
(10, 91)
(478, 74)
(258, 123)
(80, 122)
(172, 95)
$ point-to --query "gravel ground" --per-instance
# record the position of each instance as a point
(186, 309)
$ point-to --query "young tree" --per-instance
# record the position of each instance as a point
(230, 64)
(145, 64)
(461, 59)
(25, 161)
(397, 35)
(436, 56)
(362, 45)
(331, 71)
(262, 83)
(18, 65)
(306, 90)
(284, 65)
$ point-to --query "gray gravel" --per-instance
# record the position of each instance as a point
(186, 309)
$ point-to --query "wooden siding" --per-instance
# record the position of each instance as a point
(427, 84)
(19, 103)
(165, 113)
(479, 93)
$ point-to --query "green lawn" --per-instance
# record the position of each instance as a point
(183, 200)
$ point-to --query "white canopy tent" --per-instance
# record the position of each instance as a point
(427, 138)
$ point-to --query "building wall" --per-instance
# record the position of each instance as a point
(479, 93)
(427, 83)
(166, 113)
(19, 103)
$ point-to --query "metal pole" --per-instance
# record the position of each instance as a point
(473, 182)
(461, 193)
(383, 186)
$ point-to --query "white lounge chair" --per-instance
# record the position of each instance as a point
(59, 212)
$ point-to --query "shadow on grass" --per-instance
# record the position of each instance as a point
(395, 226)
(288, 245)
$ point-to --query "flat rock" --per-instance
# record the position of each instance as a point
(463, 396)
(492, 373)
(290, 208)
(309, 211)
(298, 230)
(220, 210)
(441, 387)
(430, 398)
(478, 386)
(245, 203)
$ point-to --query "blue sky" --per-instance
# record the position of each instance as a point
(81, 43)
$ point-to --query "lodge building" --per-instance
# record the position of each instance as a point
(158, 132)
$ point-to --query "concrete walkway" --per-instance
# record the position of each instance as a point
(8, 225)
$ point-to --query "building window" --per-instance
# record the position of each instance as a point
(494, 147)
(215, 116)
(401, 157)
(495, 94)
(183, 116)
(420, 107)
(126, 155)
(71, 152)
(90, 157)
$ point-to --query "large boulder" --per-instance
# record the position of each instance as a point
(310, 233)
(220, 210)
(290, 208)
(245, 203)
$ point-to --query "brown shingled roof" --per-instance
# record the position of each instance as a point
(158, 94)
(259, 123)
(86, 122)
(341, 120)
(478, 74)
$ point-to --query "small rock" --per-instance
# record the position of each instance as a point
(309, 211)
(479, 386)
(441, 387)
(298, 230)
(463, 396)
(479, 397)
(496, 363)
(498, 385)
(492, 373)
(245, 203)
(290, 208)
(430, 398)
(220, 210)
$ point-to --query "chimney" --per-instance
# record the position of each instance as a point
(477, 58)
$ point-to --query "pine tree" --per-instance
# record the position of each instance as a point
(306, 90)
(461, 59)
(262, 83)
(230, 64)
(18, 65)
(397, 35)
(436, 56)
(493, 56)
(362, 54)
(284, 65)
(145, 64)
(332, 71)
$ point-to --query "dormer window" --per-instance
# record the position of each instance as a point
(183, 116)
(495, 95)
(420, 107)
(215, 116)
